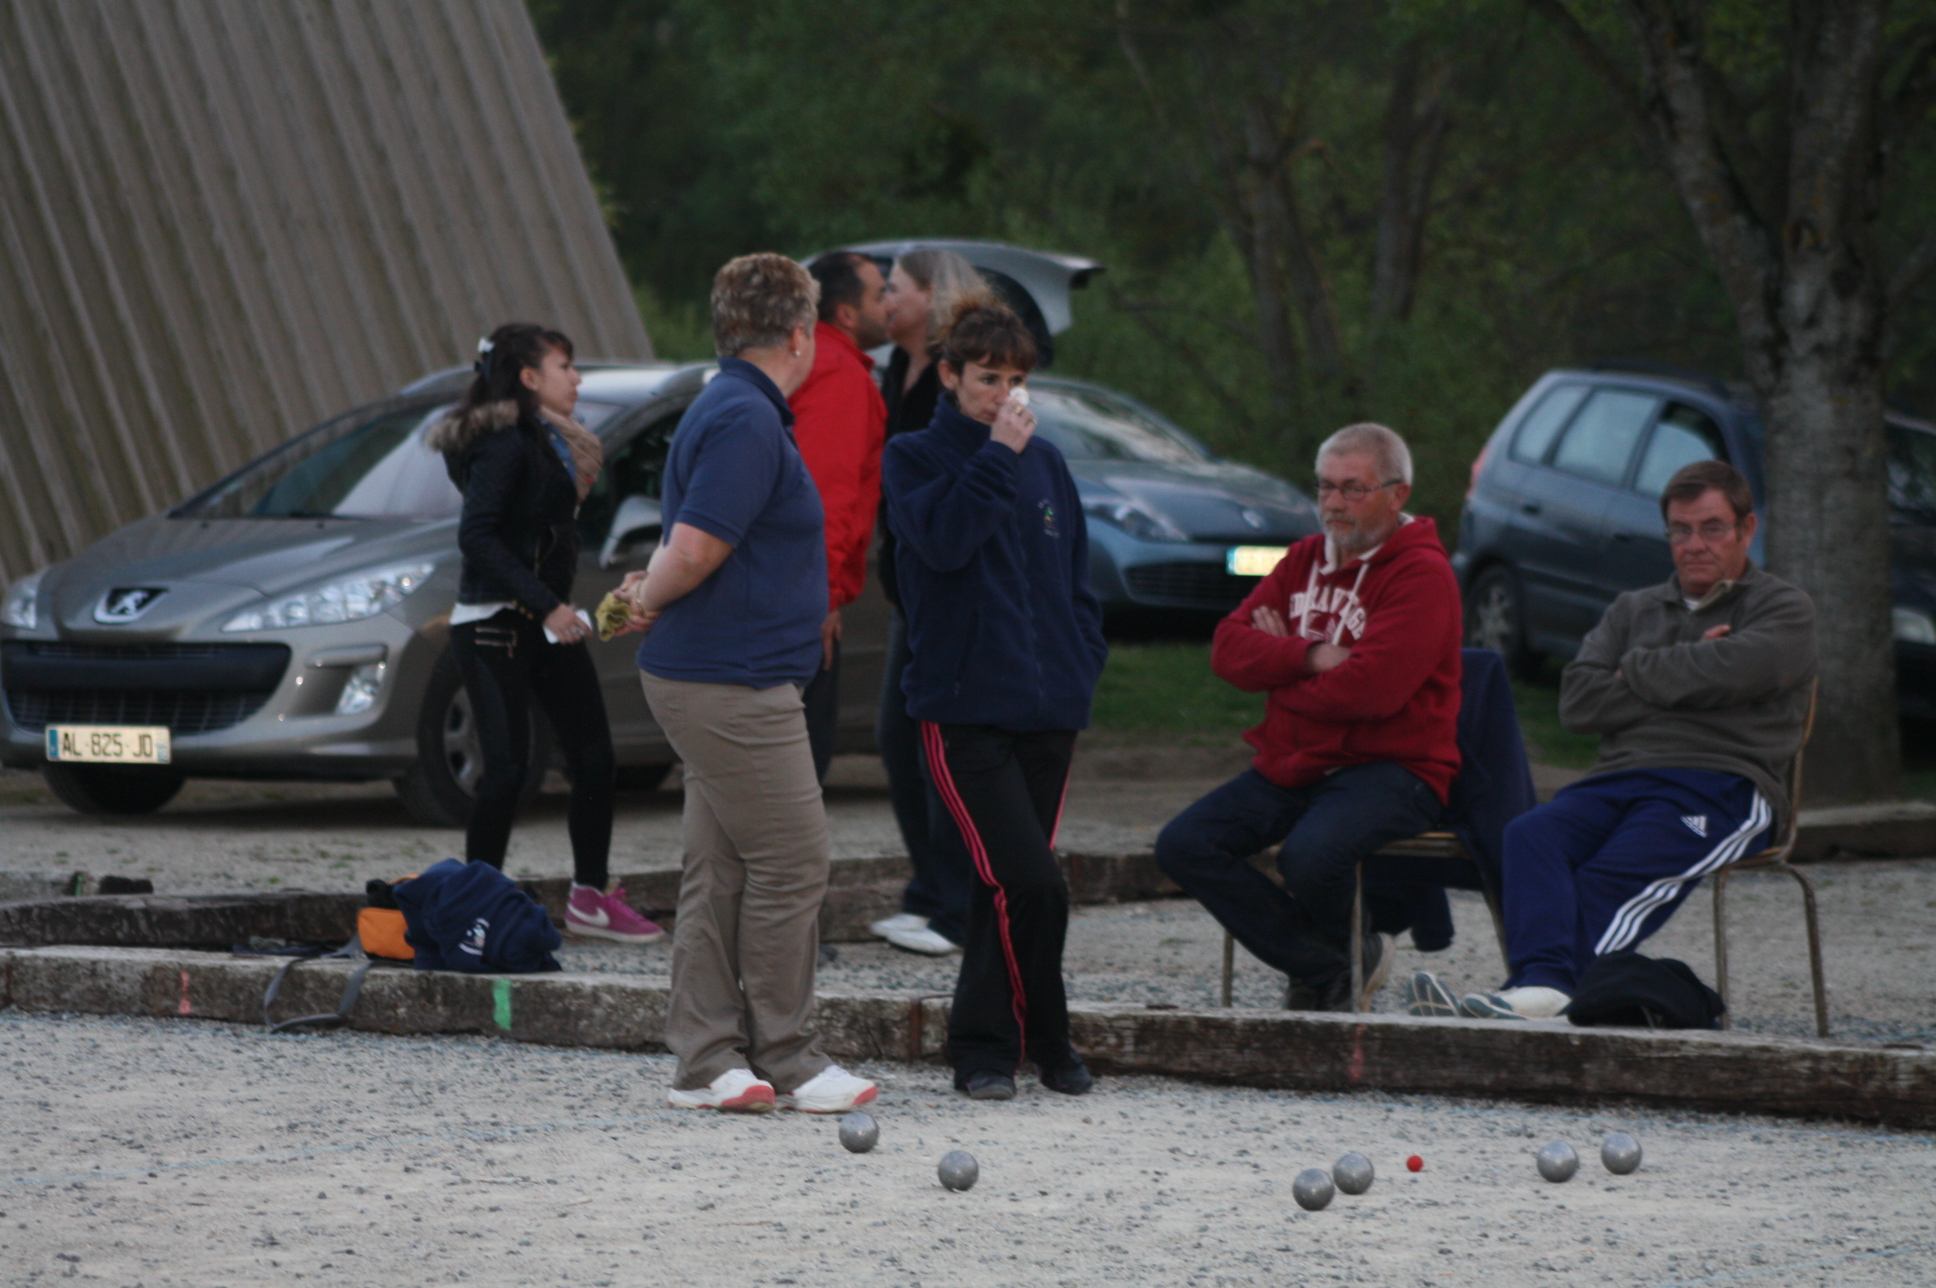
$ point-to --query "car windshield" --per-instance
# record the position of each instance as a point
(1089, 425)
(370, 466)
(1912, 471)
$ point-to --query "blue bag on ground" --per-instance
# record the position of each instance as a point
(471, 917)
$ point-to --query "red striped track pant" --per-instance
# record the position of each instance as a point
(1005, 790)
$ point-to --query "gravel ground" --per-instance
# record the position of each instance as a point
(189, 1153)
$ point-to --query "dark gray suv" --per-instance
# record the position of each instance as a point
(1564, 510)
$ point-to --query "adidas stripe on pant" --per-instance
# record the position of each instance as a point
(1607, 862)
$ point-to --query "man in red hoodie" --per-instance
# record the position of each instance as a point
(840, 426)
(1354, 641)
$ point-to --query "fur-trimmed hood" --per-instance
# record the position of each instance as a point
(457, 433)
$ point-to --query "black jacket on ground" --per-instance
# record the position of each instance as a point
(471, 917)
(519, 531)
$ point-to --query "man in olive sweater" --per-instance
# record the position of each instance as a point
(1699, 689)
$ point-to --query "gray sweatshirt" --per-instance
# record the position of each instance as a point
(1661, 697)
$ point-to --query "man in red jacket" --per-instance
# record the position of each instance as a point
(840, 425)
(1354, 641)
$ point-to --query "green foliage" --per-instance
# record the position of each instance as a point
(1549, 237)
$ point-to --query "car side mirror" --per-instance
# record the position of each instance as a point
(638, 518)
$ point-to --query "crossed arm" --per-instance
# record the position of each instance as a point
(1611, 685)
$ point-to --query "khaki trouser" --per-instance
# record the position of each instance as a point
(747, 937)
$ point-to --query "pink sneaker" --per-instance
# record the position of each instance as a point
(589, 912)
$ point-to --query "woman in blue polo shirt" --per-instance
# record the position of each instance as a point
(1006, 644)
(732, 604)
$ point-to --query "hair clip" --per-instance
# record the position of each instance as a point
(484, 346)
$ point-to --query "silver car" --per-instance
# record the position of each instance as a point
(293, 620)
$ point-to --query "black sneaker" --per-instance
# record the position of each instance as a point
(985, 1084)
(1379, 951)
(1073, 1079)
(1303, 995)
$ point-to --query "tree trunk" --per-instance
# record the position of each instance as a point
(1412, 142)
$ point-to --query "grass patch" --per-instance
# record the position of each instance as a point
(1168, 689)
(1547, 742)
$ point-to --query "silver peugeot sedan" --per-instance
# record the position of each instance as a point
(292, 621)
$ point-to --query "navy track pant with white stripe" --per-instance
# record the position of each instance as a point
(1605, 863)
(1004, 790)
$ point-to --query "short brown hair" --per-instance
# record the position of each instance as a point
(990, 334)
(758, 300)
(1690, 481)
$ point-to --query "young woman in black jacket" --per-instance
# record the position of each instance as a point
(523, 465)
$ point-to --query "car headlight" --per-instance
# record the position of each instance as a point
(1134, 519)
(347, 600)
(22, 605)
(1914, 627)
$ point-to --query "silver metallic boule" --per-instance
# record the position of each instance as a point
(859, 1132)
(1558, 1161)
(1620, 1152)
(958, 1169)
(1352, 1173)
(1312, 1189)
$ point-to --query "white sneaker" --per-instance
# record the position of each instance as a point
(1530, 1002)
(831, 1091)
(899, 921)
(737, 1091)
(924, 940)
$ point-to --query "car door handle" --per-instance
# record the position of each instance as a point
(1623, 536)
(1529, 507)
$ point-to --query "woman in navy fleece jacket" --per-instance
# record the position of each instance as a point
(1006, 642)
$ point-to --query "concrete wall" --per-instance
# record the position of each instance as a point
(223, 220)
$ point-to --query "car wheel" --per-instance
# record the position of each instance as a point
(450, 757)
(641, 778)
(113, 789)
(1495, 618)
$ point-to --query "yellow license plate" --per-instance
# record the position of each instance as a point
(110, 744)
(1253, 561)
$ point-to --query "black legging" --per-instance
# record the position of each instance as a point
(506, 661)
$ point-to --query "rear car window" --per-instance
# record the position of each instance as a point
(1536, 433)
(1683, 436)
(1601, 440)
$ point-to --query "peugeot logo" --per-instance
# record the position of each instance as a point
(1251, 517)
(125, 603)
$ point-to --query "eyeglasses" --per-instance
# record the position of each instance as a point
(1679, 534)
(1354, 490)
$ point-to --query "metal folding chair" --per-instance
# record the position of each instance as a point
(1776, 858)
(1428, 845)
